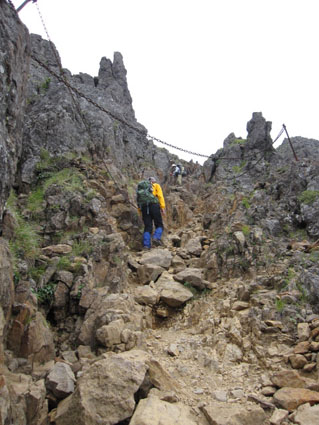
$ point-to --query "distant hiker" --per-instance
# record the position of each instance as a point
(178, 171)
(151, 203)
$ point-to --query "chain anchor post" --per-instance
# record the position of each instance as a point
(292, 148)
(24, 4)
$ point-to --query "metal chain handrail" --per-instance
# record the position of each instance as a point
(62, 78)
(246, 168)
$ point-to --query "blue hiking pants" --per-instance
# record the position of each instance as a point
(152, 214)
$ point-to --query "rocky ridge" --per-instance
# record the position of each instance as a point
(219, 326)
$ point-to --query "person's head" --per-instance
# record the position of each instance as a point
(152, 179)
(173, 165)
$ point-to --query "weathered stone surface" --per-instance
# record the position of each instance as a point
(149, 272)
(298, 361)
(307, 415)
(153, 411)
(61, 300)
(233, 414)
(192, 276)
(6, 280)
(240, 305)
(146, 295)
(2, 326)
(194, 246)
(69, 356)
(303, 330)
(110, 335)
(160, 377)
(37, 340)
(56, 119)
(61, 380)
(290, 378)
(309, 280)
(159, 257)
(57, 249)
(37, 404)
(105, 392)
(106, 308)
(13, 388)
(232, 354)
(240, 240)
(291, 398)
(302, 347)
(278, 416)
(14, 68)
(17, 329)
(65, 277)
(314, 346)
(172, 293)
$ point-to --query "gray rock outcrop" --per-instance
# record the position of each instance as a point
(14, 73)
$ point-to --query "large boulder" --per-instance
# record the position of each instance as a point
(60, 381)
(172, 293)
(105, 391)
(233, 414)
(108, 316)
(154, 411)
(37, 340)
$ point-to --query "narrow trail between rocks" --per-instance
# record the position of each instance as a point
(190, 345)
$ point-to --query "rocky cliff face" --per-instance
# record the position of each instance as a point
(220, 325)
(14, 65)
(60, 122)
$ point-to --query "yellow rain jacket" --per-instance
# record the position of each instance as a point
(157, 191)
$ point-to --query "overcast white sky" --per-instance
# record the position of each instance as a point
(197, 69)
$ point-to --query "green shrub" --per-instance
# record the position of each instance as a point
(25, 242)
(81, 248)
(45, 85)
(308, 197)
(238, 168)
(37, 272)
(35, 201)
(47, 162)
(64, 263)
(245, 203)
(69, 178)
(45, 295)
(280, 305)
(195, 291)
(238, 142)
(303, 293)
(245, 229)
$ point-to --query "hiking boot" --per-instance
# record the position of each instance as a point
(157, 242)
(146, 248)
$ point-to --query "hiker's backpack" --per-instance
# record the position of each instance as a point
(144, 194)
(183, 171)
(177, 170)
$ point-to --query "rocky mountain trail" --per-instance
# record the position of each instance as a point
(220, 325)
(207, 309)
(213, 327)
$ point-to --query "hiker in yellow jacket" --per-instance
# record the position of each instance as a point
(153, 213)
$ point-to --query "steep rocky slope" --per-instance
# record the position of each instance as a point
(219, 326)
